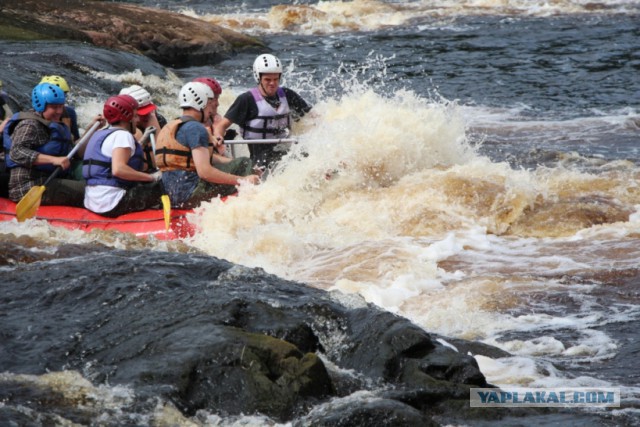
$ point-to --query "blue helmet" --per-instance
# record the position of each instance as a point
(46, 93)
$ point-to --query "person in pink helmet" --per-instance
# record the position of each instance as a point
(113, 165)
(192, 172)
(216, 117)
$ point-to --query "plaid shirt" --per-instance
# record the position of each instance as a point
(26, 137)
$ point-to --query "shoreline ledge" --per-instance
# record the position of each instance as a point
(169, 38)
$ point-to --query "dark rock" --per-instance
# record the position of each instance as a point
(169, 38)
(207, 335)
(474, 348)
(404, 352)
(376, 412)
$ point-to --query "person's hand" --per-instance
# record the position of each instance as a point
(98, 119)
(230, 134)
(252, 179)
(157, 176)
(217, 140)
(63, 162)
(258, 170)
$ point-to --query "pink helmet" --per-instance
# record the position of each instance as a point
(211, 82)
(119, 108)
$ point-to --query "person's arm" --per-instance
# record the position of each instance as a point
(241, 111)
(210, 174)
(4, 123)
(45, 159)
(119, 167)
(220, 128)
(96, 119)
(298, 105)
(27, 136)
(7, 111)
(73, 121)
(220, 159)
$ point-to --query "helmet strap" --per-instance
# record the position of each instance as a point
(262, 89)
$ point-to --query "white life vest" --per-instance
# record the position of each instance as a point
(271, 122)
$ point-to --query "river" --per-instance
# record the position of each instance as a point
(479, 158)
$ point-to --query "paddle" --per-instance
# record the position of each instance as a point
(166, 203)
(261, 141)
(29, 204)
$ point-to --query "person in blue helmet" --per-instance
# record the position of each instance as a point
(36, 143)
(69, 116)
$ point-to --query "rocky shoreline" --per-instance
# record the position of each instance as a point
(171, 39)
(208, 335)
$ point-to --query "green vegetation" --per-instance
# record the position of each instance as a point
(9, 32)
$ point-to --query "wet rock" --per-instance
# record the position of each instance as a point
(169, 38)
(204, 334)
(474, 348)
(376, 412)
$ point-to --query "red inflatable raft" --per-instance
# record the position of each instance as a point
(142, 224)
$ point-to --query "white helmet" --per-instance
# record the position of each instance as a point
(195, 95)
(266, 63)
(138, 93)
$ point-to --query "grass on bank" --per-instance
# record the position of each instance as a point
(9, 32)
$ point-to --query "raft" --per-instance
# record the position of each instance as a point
(142, 224)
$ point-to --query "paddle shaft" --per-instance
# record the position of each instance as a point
(164, 199)
(152, 138)
(261, 141)
(73, 151)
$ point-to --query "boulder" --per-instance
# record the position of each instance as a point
(169, 38)
(198, 335)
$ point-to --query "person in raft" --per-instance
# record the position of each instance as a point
(192, 172)
(69, 117)
(148, 114)
(265, 112)
(36, 143)
(209, 122)
(113, 165)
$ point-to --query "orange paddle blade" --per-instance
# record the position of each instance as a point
(28, 206)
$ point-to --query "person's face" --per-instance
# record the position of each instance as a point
(134, 121)
(211, 108)
(53, 112)
(143, 121)
(269, 83)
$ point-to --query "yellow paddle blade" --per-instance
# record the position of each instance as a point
(166, 207)
(29, 204)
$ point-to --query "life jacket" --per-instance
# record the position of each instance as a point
(170, 153)
(59, 143)
(96, 167)
(271, 122)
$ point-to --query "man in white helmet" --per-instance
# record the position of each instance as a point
(148, 114)
(191, 171)
(264, 112)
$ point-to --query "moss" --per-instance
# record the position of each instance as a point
(9, 32)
